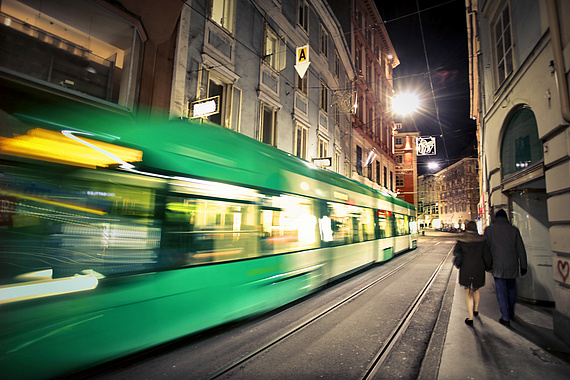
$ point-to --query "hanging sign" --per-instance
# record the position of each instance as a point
(302, 60)
(205, 107)
(425, 146)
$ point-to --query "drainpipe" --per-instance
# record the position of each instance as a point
(559, 66)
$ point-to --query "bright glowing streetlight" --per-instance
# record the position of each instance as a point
(433, 165)
(405, 103)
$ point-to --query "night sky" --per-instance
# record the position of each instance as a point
(445, 36)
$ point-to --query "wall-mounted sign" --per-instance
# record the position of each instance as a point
(205, 107)
(302, 60)
(425, 146)
(322, 162)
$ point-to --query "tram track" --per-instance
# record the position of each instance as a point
(383, 351)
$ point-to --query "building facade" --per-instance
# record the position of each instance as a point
(520, 97)
(428, 201)
(372, 156)
(250, 74)
(459, 193)
(406, 166)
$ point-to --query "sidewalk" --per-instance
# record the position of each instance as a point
(527, 349)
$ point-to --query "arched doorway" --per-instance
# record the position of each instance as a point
(523, 182)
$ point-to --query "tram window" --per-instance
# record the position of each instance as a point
(350, 224)
(385, 223)
(200, 231)
(57, 225)
(402, 225)
(288, 224)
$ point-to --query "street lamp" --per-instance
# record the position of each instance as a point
(433, 165)
(405, 103)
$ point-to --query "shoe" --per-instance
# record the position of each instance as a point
(504, 323)
(469, 322)
(475, 313)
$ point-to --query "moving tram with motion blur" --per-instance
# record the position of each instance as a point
(117, 237)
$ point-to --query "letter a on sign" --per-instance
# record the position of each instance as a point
(302, 61)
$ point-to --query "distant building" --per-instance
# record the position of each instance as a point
(406, 166)
(428, 201)
(459, 193)
(518, 53)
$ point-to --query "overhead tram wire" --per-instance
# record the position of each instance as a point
(431, 82)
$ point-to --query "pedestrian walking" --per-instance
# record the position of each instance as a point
(509, 262)
(472, 257)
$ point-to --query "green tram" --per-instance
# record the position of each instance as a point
(117, 237)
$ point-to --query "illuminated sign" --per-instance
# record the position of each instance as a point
(425, 146)
(322, 161)
(205, 107)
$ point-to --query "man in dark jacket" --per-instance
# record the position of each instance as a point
(509, 255)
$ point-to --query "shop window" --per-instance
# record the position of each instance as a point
(521, 147)
(60, 44)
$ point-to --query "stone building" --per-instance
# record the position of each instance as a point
(372, 158)
(520, 99)
(459, 193)
(406, 166)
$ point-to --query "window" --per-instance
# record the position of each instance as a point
(211, 85)
(268, 125)
(323, 147)
(399, 159)
(324, 42)
(336, 65)
(521, 146)
(337, 161)
(399, 180)
(503, 45)
(324, 97)
(398, 141)
(47, 43)
(222, 13)
(359, 160)
(378, 172)
(288, 224)
(300, 148)
(303, 19)
(274, 50)
(391, 180)
(347, 224)
(302, 83)
(385, 183)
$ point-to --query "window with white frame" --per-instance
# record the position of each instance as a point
(324, 42)
(336, 65)
(303, 15)
(268, 124)
(324, 97)
(222, 13)
(337, 163)
(323, 147)
(274, 49)
(302, 83)
(214, 85)
(301, 137)
(503, 45)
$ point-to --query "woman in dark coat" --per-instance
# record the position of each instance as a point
(472, 257)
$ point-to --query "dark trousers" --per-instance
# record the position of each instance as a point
(506, 296)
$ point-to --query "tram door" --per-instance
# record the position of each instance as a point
(529, 215)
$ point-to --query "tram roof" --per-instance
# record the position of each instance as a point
(197, 149)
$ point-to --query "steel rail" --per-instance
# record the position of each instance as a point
(237, 363)
(379, 359)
